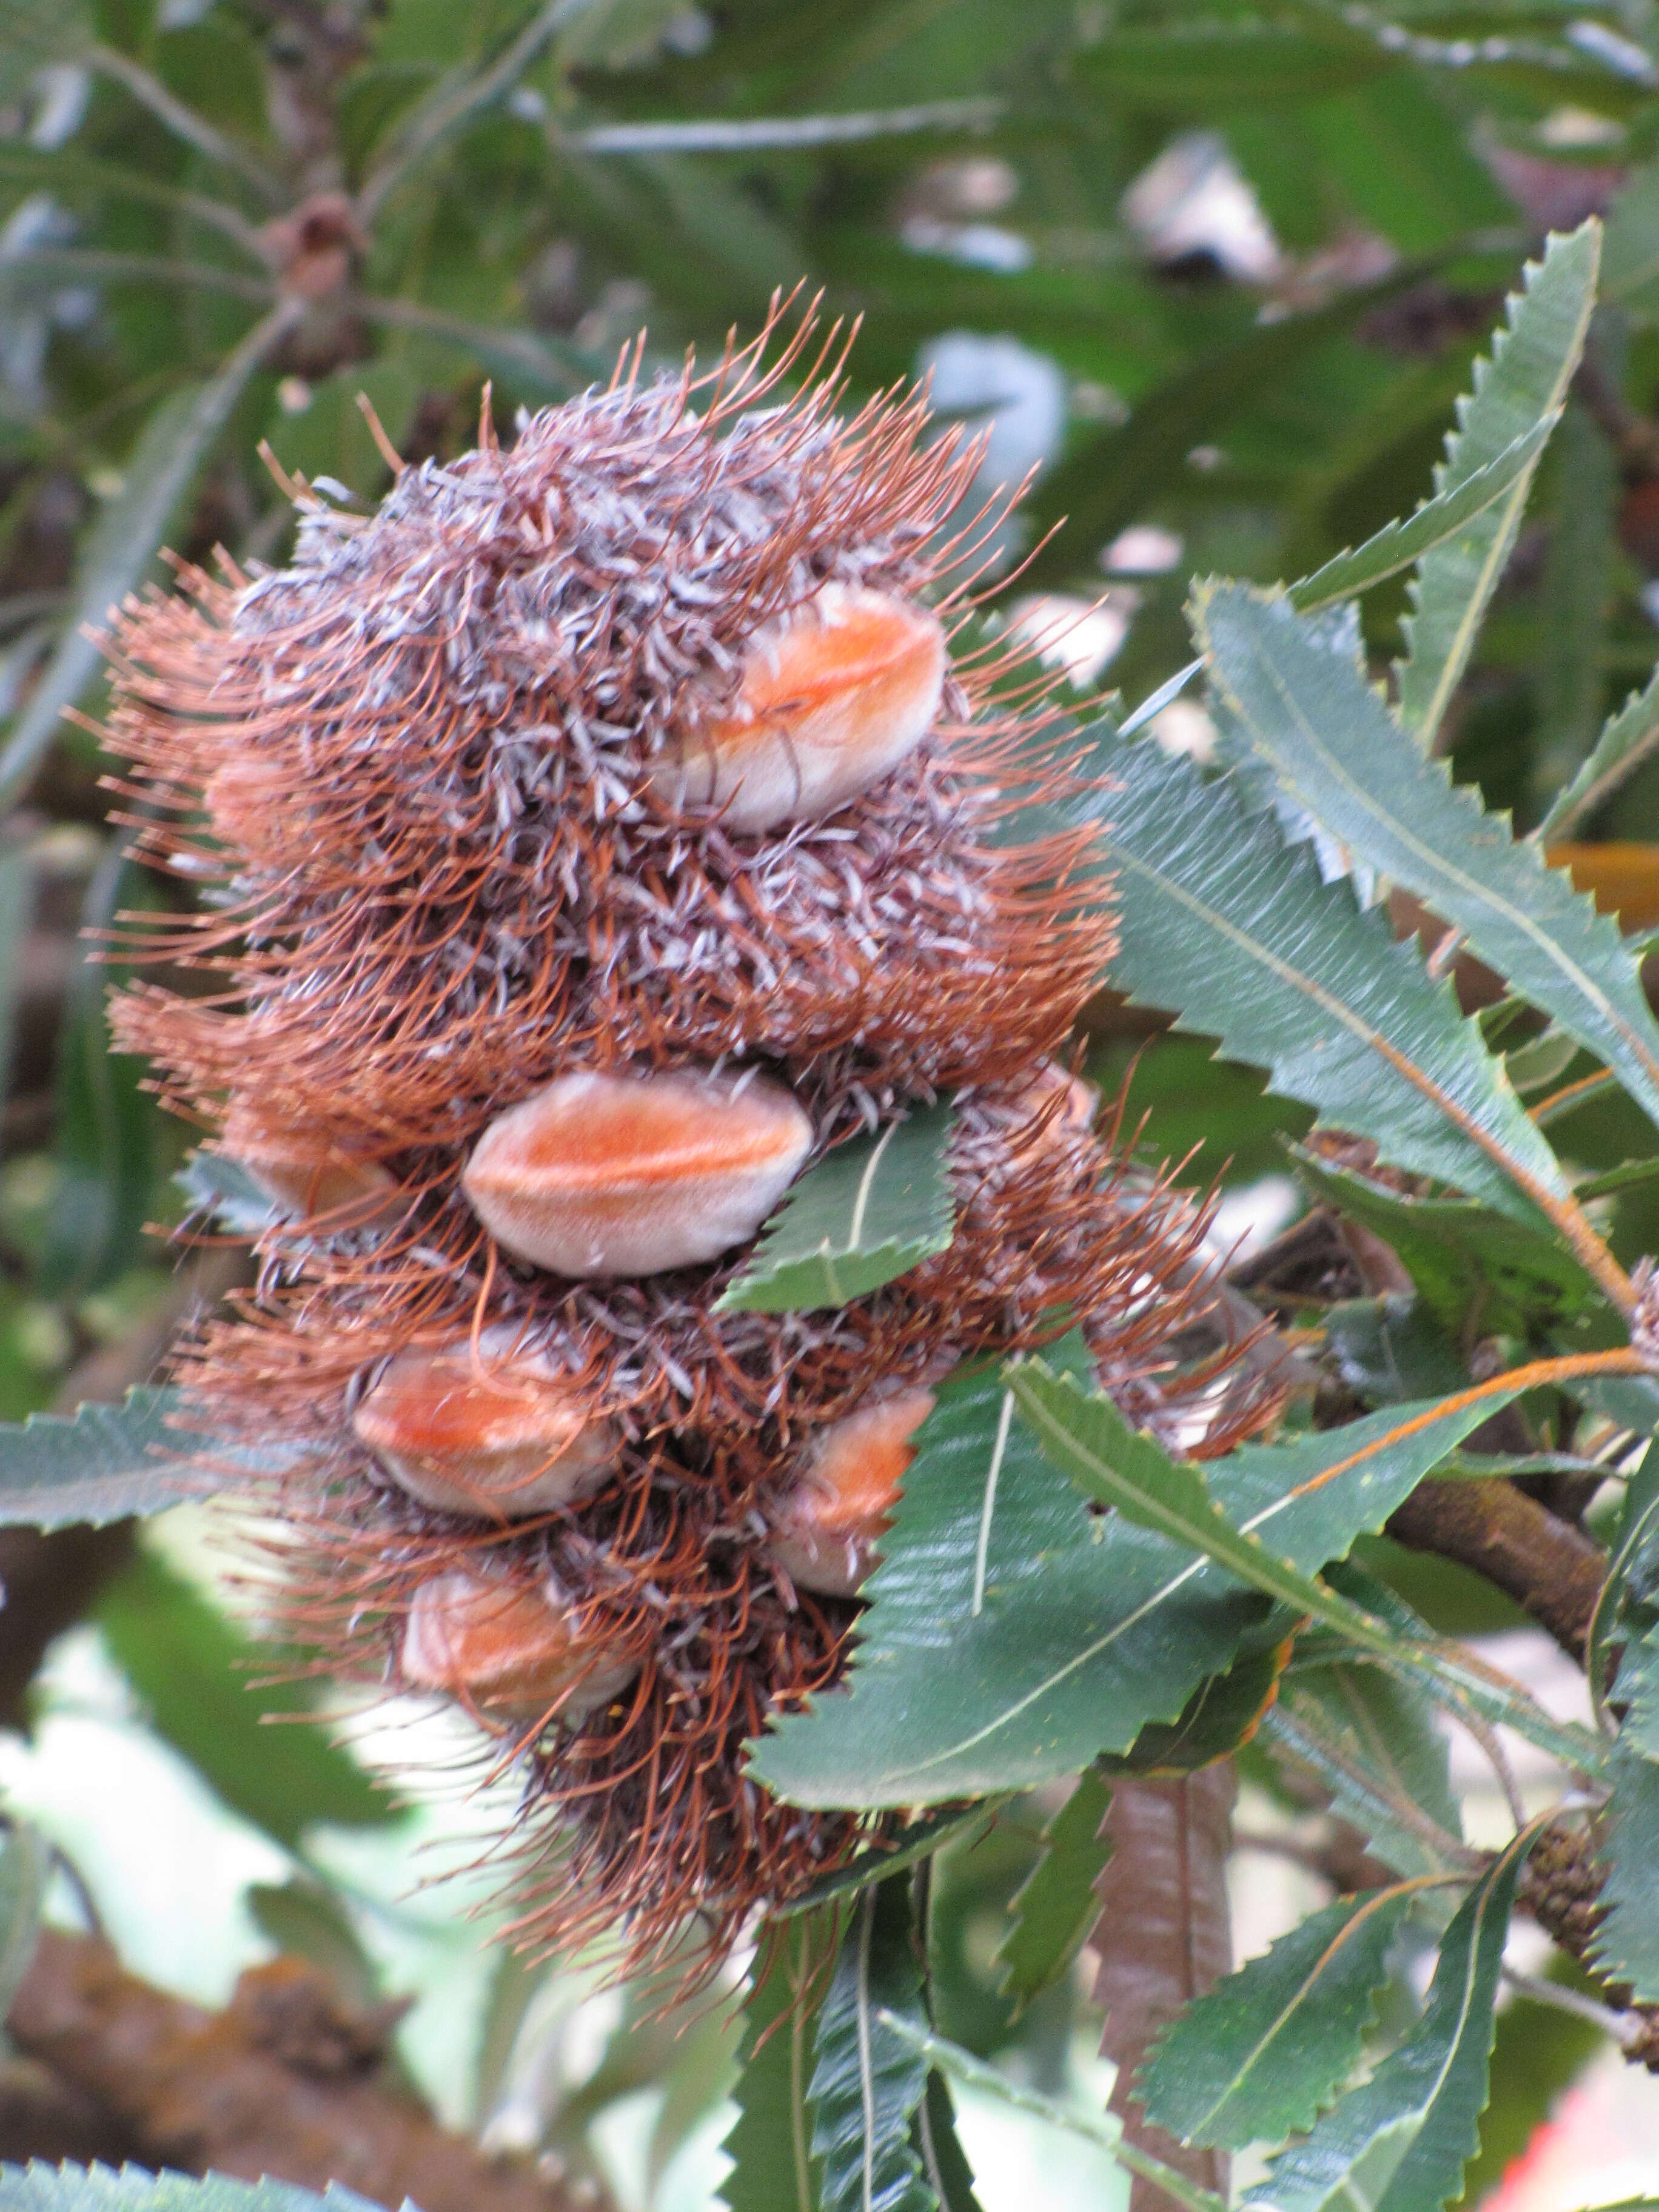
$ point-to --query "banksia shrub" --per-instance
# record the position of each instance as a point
(589, 843)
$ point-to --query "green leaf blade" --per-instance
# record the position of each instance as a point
(1626, 1942)
(37, 2187)
(1258, 2057)
(1052, 1911)
(1628, 738)
(1236, 933)
(1523, 382)
(1011, 1635)
(1424, 2101)
(1398, 544)
(867, 2083)
(870, 1212)
(170, 453)
(1337, 750)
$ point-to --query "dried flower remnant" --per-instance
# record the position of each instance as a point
(584, 1017)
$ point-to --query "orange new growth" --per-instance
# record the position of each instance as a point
(833, 696)
(628, 1175)
(506, 1648)
(493, 1431)
(826, 1533)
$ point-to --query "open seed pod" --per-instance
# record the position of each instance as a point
(590, 1009)
(828, 1522)
(488, 1430)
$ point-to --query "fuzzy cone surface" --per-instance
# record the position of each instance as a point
(409, 778)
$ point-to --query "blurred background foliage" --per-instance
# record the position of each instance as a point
(1213, 274)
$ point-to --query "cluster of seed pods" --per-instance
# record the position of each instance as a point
(587, 844)
(599, 1176)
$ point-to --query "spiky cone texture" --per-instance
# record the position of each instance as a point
(427, 776)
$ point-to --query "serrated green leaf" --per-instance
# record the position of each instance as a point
(1398, 544)
(1054, 1908)
(25, 1869)
(1390, 1348)
(100, 1464)
(867, 2083)
(1626, 1946)
(1130, 1471)
(1371, 1742)
(1401, 2141)
(1637, 1689)
(1236, 935)
(199, 1679)
(1011, 1636)
(1523, 382)
(942, 2155)
(1462, 1257)
(872, 1211)
(770, 2142)
(158, 474)
(1222, 1714)
(1336, 747)
(1629, 257)
(1575, 601)
(37, 2187)
(1627, 739)
(1257, 2057)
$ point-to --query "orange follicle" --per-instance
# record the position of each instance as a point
(832, 697)
(488, 1431)
(606, 1175)
(828, 1525)
(308, 1174)
(509, 1649)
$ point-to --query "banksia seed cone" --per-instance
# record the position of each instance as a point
(598, 833)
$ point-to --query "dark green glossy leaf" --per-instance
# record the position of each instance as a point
(1236, 933)
(870, 1212)
(1625, 1947)
(770, 2142)
(1462, 1258)
(1390, 1348)
(942, 2155)
(1011, 1636)
(867, 2083)
(1054, 1907)
(1222, 1714)
(1400, 2142)
(1255, 2059)
(1337, 750)
(1523, 383)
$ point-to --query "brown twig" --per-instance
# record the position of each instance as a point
(286, 2081)
(1550, 1568)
